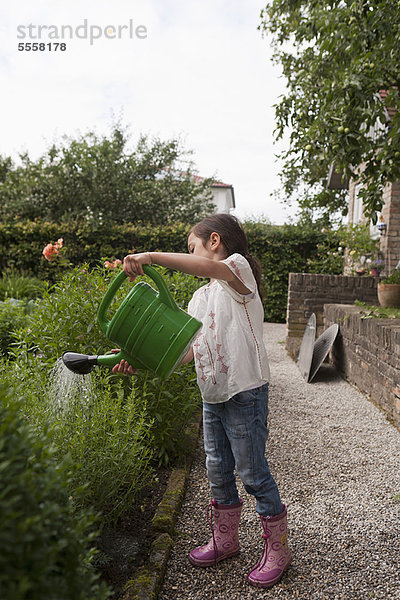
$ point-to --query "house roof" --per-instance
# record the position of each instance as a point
(220, 184)
(199, 179)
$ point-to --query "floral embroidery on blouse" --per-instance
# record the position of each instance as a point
(212, 317)
(198, 357)
(236, 271)
(219, 359)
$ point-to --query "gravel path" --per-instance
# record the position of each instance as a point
(336, 460)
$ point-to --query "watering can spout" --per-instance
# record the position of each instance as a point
(79, 363)
(82, 364)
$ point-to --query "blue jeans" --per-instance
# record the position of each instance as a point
(234, 437)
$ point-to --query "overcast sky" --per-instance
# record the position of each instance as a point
(195, 69)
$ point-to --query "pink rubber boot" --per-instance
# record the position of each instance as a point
(225, 541)
(276, 556)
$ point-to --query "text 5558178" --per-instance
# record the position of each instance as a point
(42, 46)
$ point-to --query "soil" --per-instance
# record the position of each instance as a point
(124, 547)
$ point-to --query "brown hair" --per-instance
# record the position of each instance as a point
(232, 237)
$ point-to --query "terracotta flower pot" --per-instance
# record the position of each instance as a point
(389, 294)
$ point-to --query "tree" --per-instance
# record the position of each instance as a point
(98, 179)
(337, 55)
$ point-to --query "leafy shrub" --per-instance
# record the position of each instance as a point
(45, 544)
(103, 428)
(12, 317)
(393, 278)
(370, 311)
(170, 404)
(99, 179)
(357, 238)
(122, 423)
(13, 285)
(108, 433)
(65, 318)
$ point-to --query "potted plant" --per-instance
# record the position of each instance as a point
(375, 266)
(389, 289)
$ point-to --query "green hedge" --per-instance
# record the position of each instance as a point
(46, 545)
(290, 249)
(22, 243)
(281, 250)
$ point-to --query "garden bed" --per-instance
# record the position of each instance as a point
(124, 548)
(117, 438)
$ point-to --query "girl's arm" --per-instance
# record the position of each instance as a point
(187, 263)
(125, 368)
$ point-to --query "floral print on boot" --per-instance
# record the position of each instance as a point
(276, 556)
(224, 521)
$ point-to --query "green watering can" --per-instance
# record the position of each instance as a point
(151, 330)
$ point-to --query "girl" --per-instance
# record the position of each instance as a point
(232, 374)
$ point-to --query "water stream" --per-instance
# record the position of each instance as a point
(68, 389)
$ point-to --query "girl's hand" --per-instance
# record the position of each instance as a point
(123, 367)
(133, 264)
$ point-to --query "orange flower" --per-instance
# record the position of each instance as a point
(49, 251)
(112, 265)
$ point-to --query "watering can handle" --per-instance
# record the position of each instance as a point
(164, 294)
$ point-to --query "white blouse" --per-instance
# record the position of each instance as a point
(229, 351)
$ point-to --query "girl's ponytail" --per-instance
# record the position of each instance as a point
(256, 268)
(233, 238)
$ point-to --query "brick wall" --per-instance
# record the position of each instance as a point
(367, 353)
(390, 242)
(308, 293)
